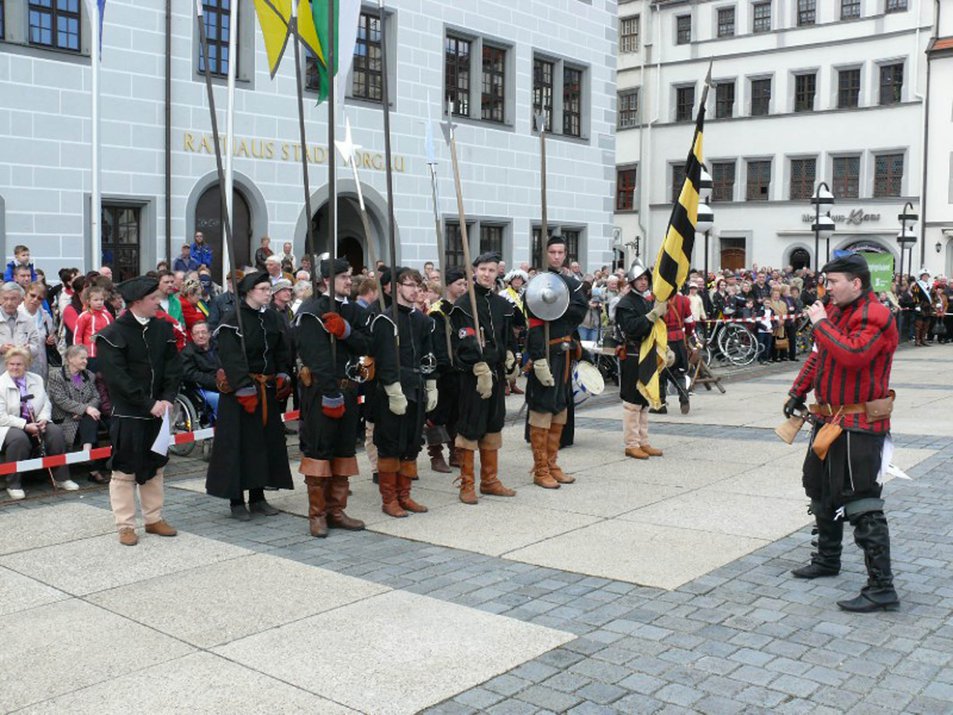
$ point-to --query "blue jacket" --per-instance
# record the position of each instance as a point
(180, 264)
(202, 254)
(12, 266)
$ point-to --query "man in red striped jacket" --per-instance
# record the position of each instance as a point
(855, 338)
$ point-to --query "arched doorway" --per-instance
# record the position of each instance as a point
(352, 243)
(208, 220)
(800, 258)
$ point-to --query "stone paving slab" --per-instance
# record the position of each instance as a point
(24, 529)
(19, 593)
(393, 653)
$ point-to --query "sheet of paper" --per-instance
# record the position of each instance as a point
(164, 438)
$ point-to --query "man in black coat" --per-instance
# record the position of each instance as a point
(484, 372)
(635, 315)
(406, 391)
(224, 303)
(330, 344)
(249, 452)
(142, 369)
(548, 387)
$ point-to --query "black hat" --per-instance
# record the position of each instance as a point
(557, 240)
(137, 288)
(454, 274)
(341, 265)
(385, 276)
(251, 280)
(853, 264)
(488, 257)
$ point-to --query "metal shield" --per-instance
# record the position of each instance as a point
(547, 296)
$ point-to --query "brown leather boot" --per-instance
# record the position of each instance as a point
(538, 437)
(552, 451)
(467, 494)
(454, 454)
(515, 389)
(317, 511)
(160, 528)
(437, 462)
(127, 536)
(489, 475)
(636, 453)
(651, 451)
(403, 495)
(387, 483)
(335, 496)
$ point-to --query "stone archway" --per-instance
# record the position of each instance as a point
(352, 241)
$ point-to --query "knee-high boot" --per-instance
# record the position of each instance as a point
(335, 495)
(408, 472)
(467, 493)
(317, 509)
(387, 483)
(830, 536)
(538, 438)
(552, 452)
(872, 535)
(489, 475)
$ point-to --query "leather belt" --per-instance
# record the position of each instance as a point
(831, 410)
(262, 381)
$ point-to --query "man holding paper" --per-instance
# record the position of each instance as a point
(142, 369)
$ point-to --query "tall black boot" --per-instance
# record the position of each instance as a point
(830, 536)
(871, 535)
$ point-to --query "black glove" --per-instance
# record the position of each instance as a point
(793, 405)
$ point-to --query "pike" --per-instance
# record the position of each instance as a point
(432, 163)
(540, 120)
(451, 138)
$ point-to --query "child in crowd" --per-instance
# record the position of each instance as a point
(94, 318)
(21, 257)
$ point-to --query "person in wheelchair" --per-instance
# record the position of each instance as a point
(200, 363)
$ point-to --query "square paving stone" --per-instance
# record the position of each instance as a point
(23, 529)
(394, 653)
(61, 647)
(231, 599)
(90, 565)
(646, 554)
(19, 593)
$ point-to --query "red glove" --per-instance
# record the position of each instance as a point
(248, 398)
(282, 386)
(333, 407)
(336, 325)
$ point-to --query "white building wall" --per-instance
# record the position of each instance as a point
(938, 197)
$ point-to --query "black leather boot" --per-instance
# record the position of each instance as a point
(872, 535)
(830, 536)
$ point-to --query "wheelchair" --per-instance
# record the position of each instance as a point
(191, 412)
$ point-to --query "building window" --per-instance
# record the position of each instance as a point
(572, 244)
(628, 114)
(55, 23)
(572, 102)
(896, 5)
(457, 75)
(625, 189)
(759, 181)
(804, 88)
(678, 179)
(218, 15)
(494, 70)
(571, 236)
(724, 99)
(891, 83)
(454, 246)
(121, 240)
(629, 34)
(848, 88)
(726, 22)
(806, 12)
(2, 24)
(761, 19)
(849, 9)
(723, 181)
(888, 175)
(491, 239)
(683, 29)
(368, 64)
(543, 91)
(803, 173)
(760, 97)
(684, 103)
(846, 182)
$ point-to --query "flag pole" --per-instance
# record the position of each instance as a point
(229, 134)
(331, 58)
(96, 200)
(216, 141)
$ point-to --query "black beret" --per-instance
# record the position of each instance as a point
(454, 274)
(251, 280)
(137, 288)
(853, 263)
(341, 265)
(556, 241)
(488, 257)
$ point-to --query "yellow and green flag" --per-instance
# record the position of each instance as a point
(274, 16)
(347, 13)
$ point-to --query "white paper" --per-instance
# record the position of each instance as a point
(164, 438)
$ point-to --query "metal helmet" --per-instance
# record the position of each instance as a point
(635, 270)
(547, 296)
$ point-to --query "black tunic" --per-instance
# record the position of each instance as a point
(245, 453)
(323, 437)
(448, 372)
(630, 318)
(479, 417)
(141, 365)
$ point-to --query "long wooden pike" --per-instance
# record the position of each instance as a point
(438, 227)
(544, 220)
(448, 131)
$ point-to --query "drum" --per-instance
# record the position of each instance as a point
(586, 381)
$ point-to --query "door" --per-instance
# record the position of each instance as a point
(208, 220)
(733, 253)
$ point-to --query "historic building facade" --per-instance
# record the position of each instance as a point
(499, 62)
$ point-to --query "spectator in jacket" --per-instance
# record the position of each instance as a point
(32, 307)
(94, 318)
(194, 309)
(21, 257)
(200, 363)
(16, 330)
(186, 261)
(169, 301)
(224, 302)
(262, 253)
(201, 251)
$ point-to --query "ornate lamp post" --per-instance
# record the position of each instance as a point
(823, 225)
(706, 218)
(907, 237)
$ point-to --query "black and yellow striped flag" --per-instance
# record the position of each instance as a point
(674, 260)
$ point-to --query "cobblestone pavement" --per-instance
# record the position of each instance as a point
(744, 637)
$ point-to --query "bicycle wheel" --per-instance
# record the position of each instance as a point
(738, 345)
(184, 418)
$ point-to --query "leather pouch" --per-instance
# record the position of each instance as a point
(880, 409)
(825, 437)
(367, 368)
(304, 376)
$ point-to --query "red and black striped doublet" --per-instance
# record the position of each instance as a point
(850, 364)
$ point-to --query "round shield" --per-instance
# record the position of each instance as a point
(547, 296)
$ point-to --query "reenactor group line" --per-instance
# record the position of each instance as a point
(442, 378)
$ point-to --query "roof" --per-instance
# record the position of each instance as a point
(940, 45)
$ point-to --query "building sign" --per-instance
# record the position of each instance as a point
(244, 148)
(881, 270)
(854, 218)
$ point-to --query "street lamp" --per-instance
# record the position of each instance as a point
(907, 236)
(706, 218)
(823, 226)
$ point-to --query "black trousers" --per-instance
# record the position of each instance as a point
(18, 445)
